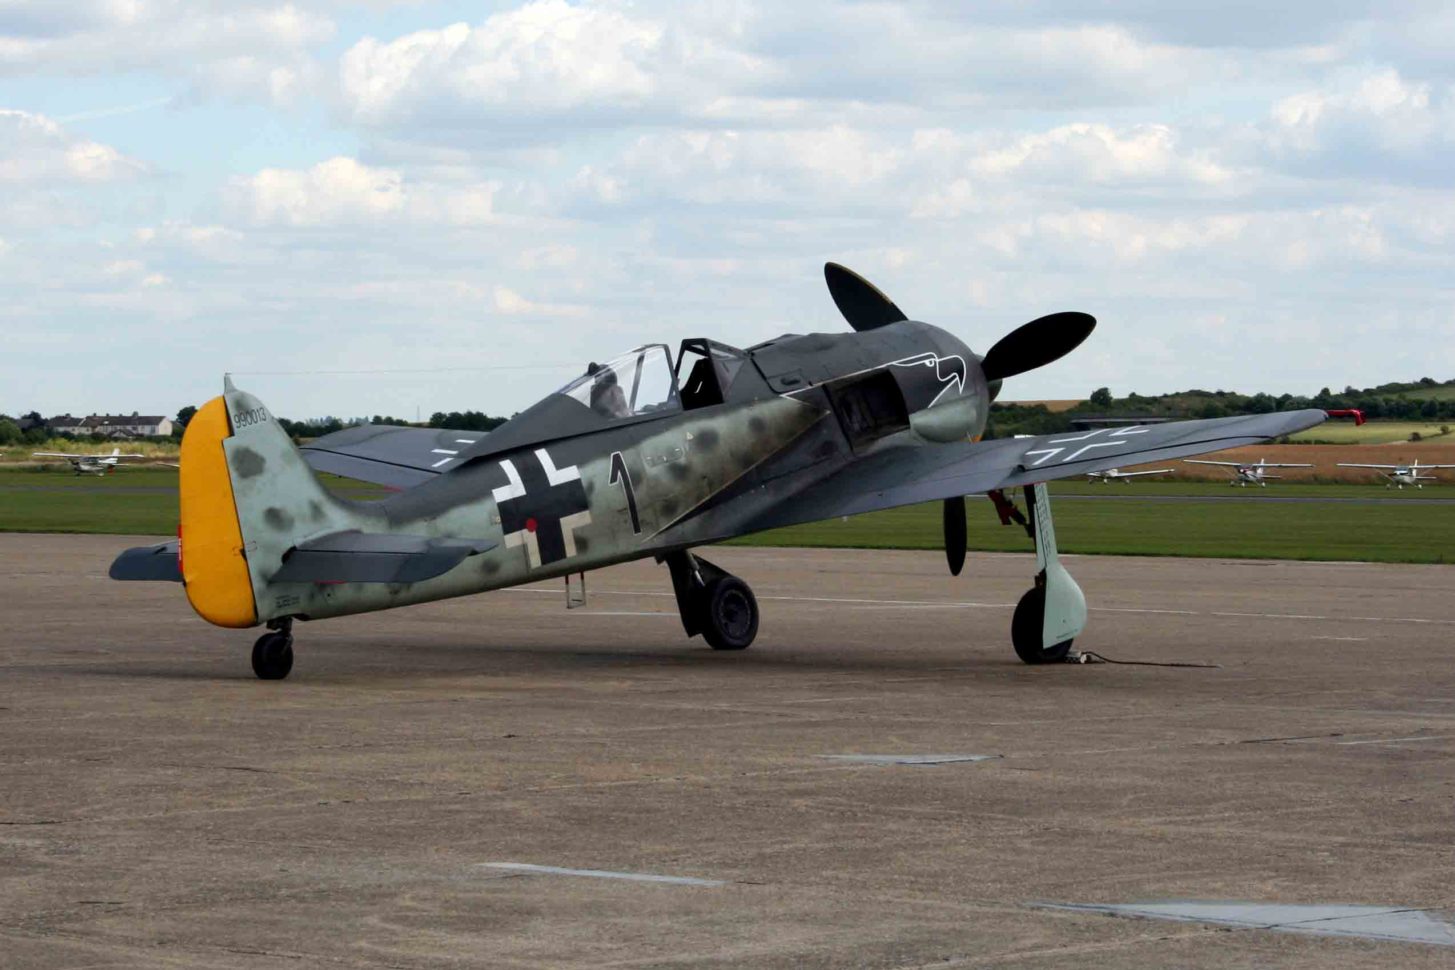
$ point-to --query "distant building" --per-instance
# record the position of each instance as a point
(113, 425)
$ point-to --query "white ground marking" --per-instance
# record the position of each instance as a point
(1393, 923)
(601, 874)
(1343, 639)
(627, 613)
(1007, 606)
(1422, 737)
(450, 456)
(909, 759)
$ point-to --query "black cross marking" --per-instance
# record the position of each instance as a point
(542, 507)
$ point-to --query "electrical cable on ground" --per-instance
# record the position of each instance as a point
(1091, 657)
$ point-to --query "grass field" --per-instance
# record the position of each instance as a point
(1373, 432)
(1441, 393)
(1410, 531)
(132, 501)
(1407, 528)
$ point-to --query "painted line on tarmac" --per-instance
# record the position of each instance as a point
(909, 759)
(942, 604)
(526, 867)
(1422, 737)
(671, 616)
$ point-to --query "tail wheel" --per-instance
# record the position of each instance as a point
(273, 656)
(729, 614)
(1025, 630)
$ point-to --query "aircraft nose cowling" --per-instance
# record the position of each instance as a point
(954, 420)
(944, 393)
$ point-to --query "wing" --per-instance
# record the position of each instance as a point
(1228, 464)
(389, 455)
(910, 473)
(1275, 464)
(58, 454)
(1154, 471)
(1350, 464)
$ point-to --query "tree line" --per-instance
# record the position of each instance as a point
(1422, 400)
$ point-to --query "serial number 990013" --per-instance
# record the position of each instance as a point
(252, 416)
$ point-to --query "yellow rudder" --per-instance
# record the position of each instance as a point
(213, 560)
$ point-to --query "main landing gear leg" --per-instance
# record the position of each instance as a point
(1053, 612)
(714, 603)
(273, 653)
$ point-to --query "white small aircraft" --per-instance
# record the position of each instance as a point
(1401, 475)
(90, 464)
(1246, 474)
(1116, 474)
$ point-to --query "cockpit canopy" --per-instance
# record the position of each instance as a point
(638, 382)
(644, 382)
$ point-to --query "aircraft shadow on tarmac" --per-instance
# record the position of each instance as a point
(389, 662)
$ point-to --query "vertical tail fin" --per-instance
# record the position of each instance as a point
(247, 498)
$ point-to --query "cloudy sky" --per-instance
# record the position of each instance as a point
(380, 207)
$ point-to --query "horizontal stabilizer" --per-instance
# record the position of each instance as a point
(158, 563)
(363, 557)
(391, 456)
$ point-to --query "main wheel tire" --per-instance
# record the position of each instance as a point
(729, 614)
(273, 656)
(1025, 630)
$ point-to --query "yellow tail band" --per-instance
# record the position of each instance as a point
(213, 559)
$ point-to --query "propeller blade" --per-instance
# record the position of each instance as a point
(955, 538)
(860, 301)
(1036, 344)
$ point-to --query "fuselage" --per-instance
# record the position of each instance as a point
(563, 488)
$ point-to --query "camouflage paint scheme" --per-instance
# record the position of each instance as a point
(796, 429)
(679, 463)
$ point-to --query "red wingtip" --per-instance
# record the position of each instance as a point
(1354, 413)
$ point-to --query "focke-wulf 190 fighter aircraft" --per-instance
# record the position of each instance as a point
(1117, 475)
(1401, 475)
(91, 464)
(1245, 473)
(647, 457)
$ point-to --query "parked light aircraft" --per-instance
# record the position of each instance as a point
(1116, 474)
(1246, 474)
(91, 464)
(1401, 475)
(648, 456)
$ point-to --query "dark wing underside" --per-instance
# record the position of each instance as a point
(922, 473)
(388, 455)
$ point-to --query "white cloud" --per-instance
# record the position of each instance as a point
(1088, 152)
(342, 191)
(649, 170)
(509, 302)
(34, 149)
(242, 49)
(545, 57)
(1377, 122)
